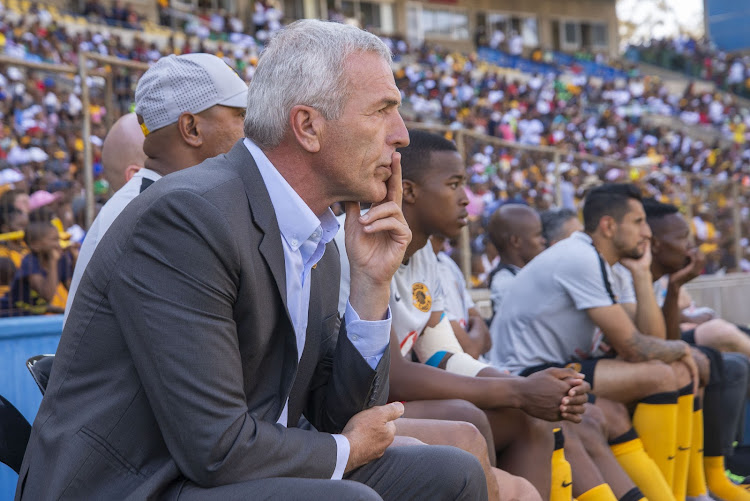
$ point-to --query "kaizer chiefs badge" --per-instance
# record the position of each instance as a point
(575, 366)
(420, 297)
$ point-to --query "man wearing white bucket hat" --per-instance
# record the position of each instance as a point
(188, 108)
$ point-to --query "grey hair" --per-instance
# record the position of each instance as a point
(303, 64)
(553, 221)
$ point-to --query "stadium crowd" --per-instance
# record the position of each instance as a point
(698, 58)
(641, 384)
(572, 113)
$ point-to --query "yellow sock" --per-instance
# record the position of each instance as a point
(562, 477)
(601, 492)
(696, 484)
(718, 483)
(641, 469)
(655, 420)
(684, 442)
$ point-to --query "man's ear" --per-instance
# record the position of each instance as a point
(130, 171)
(307, 126)
(514, 241)
(409, 191)
(655, 246)
(189, 128)
(607, 226)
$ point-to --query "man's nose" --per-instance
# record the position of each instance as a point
(399, 136)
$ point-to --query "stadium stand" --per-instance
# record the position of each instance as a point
(540, 131)
(699, 59)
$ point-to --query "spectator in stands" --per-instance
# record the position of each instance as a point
(559, 224)
(7, 272)
(583, 293)
(94, 10)
(180, 133)
(39, 285)
(13, 222)
(228, 224)
(516, 232)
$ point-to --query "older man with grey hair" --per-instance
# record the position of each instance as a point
(206, 323)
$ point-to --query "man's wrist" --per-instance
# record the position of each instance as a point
(675, 285)
(643, 276)
(512, 389)
(369, 298)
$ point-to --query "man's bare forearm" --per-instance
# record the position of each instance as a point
(671, 312)
(640, 348)
(648, 318)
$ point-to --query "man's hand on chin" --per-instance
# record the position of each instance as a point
(376, 243)
(370, 432)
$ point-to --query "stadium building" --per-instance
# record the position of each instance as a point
(549, 24)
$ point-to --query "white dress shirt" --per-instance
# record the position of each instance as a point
(101, 224)
(304, 237)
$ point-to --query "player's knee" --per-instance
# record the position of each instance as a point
(468, 438)
(593, 418)
(616, 417)
(461, 410)
(349, 489)
(682, 374)
(719, 334)
(659, 377)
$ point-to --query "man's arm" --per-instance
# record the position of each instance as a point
(173, 296)
(344, 382)
(46, 286)
(645, 312)
(671, 310)
(540, 395)
(476, 341)
(632, 345)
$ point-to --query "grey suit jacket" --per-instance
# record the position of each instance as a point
(179, 353)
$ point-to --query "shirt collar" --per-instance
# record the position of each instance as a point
(584, 237)
(148, 174)
(296, 220)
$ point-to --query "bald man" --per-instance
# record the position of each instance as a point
(516, 232)
(122, 152)
(167, 134)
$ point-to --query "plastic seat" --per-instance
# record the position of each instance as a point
(14, 435)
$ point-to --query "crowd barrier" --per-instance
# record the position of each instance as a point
(20, 339)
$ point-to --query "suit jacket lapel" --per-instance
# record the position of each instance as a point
(271, 250)
(310, 352)
(263, 215)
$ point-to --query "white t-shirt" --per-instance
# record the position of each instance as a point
(416, 292)
(457, 300)
(500, 283)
